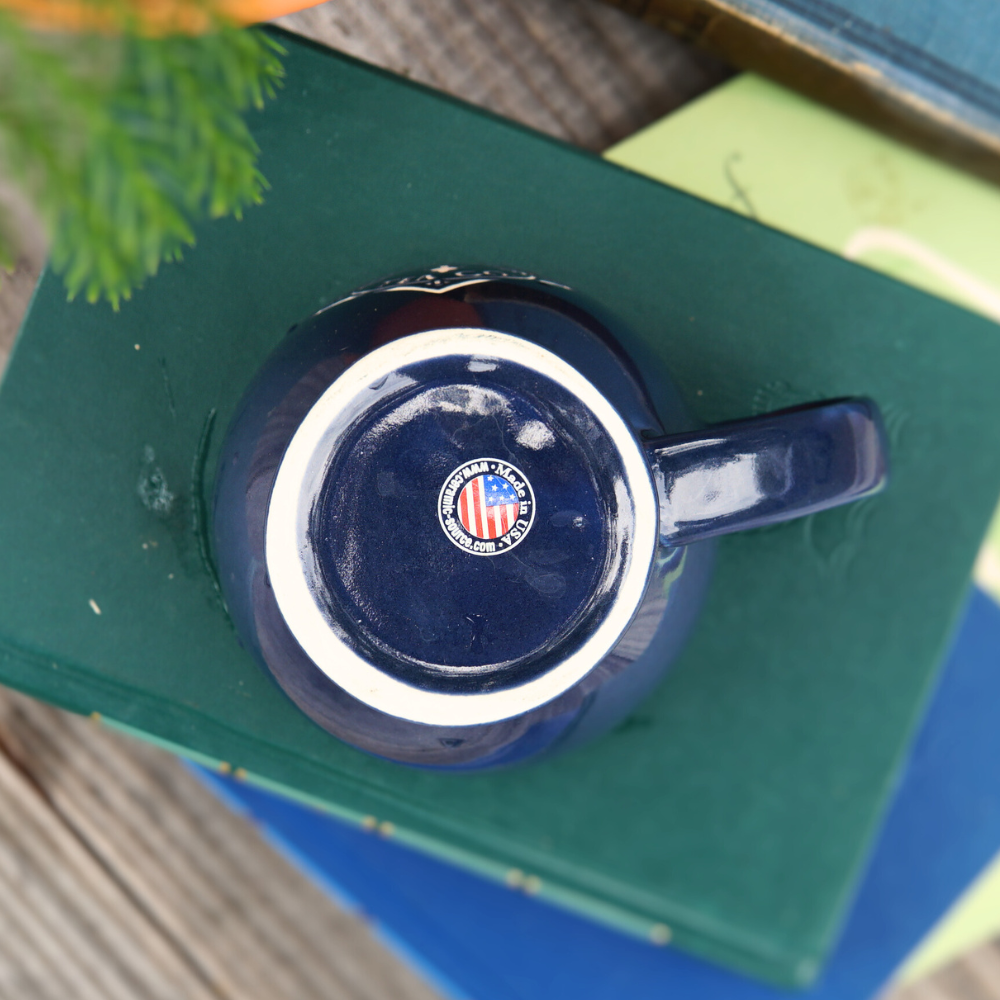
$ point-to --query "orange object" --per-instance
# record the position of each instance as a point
(154, 17)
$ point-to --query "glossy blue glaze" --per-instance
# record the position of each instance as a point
(752, 473)
(416, 597)
(471, 530)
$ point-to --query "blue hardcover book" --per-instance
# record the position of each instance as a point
(478, 940)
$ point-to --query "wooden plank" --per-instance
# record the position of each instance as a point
(974, 976)
(16, 287)
(576, 69)
(122, 876)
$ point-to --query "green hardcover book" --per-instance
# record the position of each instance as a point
(733, 812)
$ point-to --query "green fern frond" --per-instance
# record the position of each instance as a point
(125, 144)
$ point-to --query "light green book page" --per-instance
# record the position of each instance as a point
(763, 151)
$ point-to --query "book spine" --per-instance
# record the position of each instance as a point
(860, 69)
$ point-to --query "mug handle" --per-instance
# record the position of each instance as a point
(767, 469)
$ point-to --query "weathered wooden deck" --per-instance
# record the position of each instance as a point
(121, 876)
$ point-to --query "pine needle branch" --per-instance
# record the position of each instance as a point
(125, 143)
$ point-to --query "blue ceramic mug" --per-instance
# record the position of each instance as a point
(451, 525)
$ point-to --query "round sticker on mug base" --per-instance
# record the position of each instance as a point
(486, 507)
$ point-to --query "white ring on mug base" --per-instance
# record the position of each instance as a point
(291, 562)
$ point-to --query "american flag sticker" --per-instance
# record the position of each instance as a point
(486, 507)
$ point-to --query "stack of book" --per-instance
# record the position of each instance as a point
(735, 814)
(932, 886)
